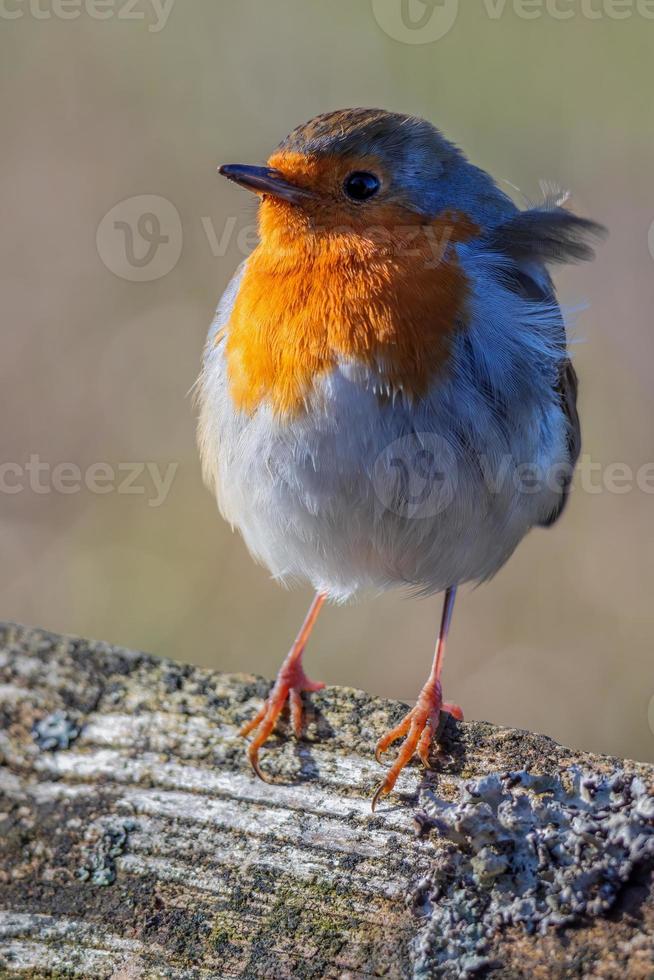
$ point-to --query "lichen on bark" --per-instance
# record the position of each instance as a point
(135, 842)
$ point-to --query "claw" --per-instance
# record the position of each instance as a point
(253, 756)
(380, 791)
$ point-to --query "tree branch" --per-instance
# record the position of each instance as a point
(135, 842)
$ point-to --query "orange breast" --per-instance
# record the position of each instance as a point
(389, 297)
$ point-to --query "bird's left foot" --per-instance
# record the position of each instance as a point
(418, 727)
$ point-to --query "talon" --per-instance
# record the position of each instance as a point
(254, 762)
(424, 758)
(379, 792)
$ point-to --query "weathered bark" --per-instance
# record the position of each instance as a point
(137, 843)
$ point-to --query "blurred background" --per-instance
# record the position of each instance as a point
(118, 237)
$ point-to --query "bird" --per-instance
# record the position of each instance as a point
(387, 399)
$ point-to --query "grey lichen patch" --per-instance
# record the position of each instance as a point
(106, 841)
(529, 850)
(56, 731)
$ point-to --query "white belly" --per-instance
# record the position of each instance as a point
(360, 493)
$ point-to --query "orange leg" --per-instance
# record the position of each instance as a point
(291, 681)
(419, 726)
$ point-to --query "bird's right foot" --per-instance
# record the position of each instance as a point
(290, 683)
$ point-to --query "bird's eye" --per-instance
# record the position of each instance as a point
(361, 185)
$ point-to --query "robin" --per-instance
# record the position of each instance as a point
(381, 372)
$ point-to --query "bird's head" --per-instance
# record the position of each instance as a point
(361, 212)
(361, 170)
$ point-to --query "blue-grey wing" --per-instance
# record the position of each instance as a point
(531, 240)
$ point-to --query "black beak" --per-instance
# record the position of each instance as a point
(265, 180)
